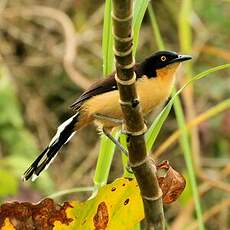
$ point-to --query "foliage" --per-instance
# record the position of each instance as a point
(33, 49)
(112, 208)
(16, 139)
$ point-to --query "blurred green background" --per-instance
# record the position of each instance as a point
(49, 55)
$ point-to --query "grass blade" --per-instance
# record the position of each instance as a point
(188, 146)
(107, 147)
(156, 30)
(138, 15)
(185, 145)
(104, 161)
(107, 40)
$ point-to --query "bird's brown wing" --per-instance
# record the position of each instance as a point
(103, 86)
(106, 85)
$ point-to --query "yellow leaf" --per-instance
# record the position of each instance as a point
(116, 206)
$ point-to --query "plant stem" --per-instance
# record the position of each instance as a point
(143, 168)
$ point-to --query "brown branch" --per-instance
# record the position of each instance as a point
(69, 35)
(144, 170)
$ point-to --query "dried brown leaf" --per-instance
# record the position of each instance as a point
(27, 216)
(171, 182)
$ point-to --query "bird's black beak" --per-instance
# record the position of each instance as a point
(181, 58)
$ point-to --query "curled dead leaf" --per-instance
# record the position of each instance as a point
(171, 182)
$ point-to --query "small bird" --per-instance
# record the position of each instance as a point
(155, 78)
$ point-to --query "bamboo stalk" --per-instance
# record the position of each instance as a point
(142, 166)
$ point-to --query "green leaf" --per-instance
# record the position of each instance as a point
(107, 39)
(104, 161)
(107, 147)
(140, 8)
(186, 195)
(156, 30)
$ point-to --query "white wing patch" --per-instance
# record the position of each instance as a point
(60, 130)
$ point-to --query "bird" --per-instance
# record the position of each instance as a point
(99, 104)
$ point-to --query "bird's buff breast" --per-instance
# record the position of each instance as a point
(151, 92)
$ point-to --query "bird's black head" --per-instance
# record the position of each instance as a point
(160, 60)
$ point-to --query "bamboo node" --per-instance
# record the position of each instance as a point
(122, 53)
(121, 19)
(130, 103)
(159, 196)
(126, 82)
(136, 133)
(128, 66)
(138, 163)
(120, 39)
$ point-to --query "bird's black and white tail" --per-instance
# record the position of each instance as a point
(64, 133)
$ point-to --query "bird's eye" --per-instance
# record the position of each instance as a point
(163, 58)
